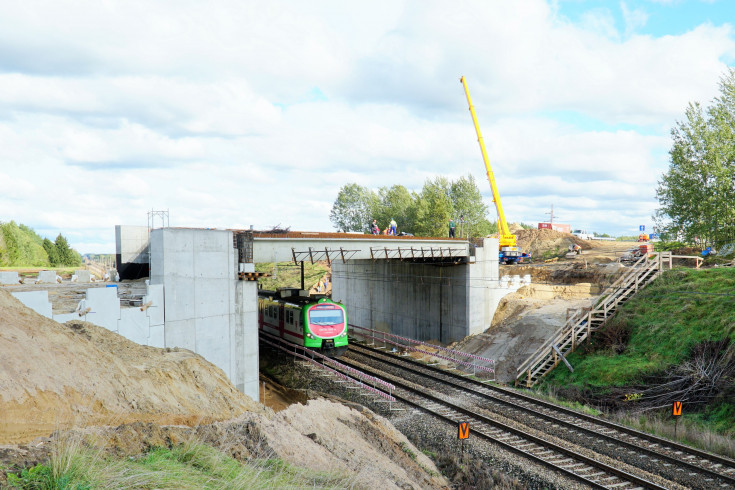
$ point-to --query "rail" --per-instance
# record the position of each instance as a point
(338, 365)
(450, 352)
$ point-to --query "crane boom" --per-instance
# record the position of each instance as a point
(506, 238)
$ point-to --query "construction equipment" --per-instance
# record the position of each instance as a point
(508, 252)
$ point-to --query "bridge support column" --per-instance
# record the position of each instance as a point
(207, 309)
(444, 302)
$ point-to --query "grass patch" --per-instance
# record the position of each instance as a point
(192, 465)
(288, 274)
(667, 321)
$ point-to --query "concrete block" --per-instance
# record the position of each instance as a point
(211, 298)
(133, 325)
(105, 307)
(9, 277)
(83, 276)
(48, 277)
(212, 265)
(37, 301)
(213, 341)
(131, 244)
(181, 333)
(155, 312)
(179, 300)
(157, 336)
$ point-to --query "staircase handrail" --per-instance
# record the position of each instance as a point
(573, 321)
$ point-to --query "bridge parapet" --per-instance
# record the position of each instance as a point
(346, 246)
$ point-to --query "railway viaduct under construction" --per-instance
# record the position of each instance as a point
(201, 288)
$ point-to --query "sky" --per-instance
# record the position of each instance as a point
(229, 114)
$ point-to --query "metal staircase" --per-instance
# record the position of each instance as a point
(580, 326)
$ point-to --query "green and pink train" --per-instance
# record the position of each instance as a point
(315, 323)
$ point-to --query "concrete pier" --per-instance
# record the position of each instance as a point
(424, 301)
(208, 310)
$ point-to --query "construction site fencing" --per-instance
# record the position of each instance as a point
(451, 352)
(311, 358)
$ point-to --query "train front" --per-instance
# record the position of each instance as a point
(325, 327)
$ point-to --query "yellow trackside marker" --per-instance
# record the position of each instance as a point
(677, 409)
(464, 430)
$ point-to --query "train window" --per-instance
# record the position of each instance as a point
(326, 317)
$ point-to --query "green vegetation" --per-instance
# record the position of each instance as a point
(675, 338)
(288, 274)
(21, 246)
(697, 192)
(426, 213)
(191, 465)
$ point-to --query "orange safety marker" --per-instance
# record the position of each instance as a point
(463, 431)
(676, 410)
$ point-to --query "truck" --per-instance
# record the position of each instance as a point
(583, 235)
(508, 252)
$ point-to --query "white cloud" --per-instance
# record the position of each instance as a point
(256, 112)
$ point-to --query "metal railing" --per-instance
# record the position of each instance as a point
(580, 326)
(452, 354)
(311, 355)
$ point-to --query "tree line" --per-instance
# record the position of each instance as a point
(697, 193)
(424, 213)
(21, 246)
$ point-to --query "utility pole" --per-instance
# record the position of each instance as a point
(551, 216)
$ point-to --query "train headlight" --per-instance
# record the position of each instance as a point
(310, 335)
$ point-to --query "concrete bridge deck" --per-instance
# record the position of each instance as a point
(312, 246)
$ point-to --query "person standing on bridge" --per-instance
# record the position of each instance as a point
(393, 227)
(452, 226)
(375, 229)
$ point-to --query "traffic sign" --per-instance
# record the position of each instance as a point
(463, 430)
(676, 410)
(642, 227)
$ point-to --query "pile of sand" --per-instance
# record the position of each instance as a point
(538, 242)
(55, 376)
(81, 380)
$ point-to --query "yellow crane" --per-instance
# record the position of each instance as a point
(508, 251)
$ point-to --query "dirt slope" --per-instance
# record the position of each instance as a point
(54, 376)
(81, 380)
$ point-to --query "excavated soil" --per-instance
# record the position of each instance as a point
(78, 380)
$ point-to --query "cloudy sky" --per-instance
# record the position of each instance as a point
(237, 113)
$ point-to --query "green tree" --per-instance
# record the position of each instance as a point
(65, 254)
(53, 254)
(696, 193)
(20, 246)
(395, 203)
(469, 211)
(434, 208)
(354, 208)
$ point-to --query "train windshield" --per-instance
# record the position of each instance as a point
(326, 317)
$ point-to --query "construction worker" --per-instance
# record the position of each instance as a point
(393, 226)
(575, 248)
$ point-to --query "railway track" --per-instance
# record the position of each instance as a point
(536, 427)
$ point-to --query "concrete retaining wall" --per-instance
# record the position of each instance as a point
(102, 307)
(208, 310)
